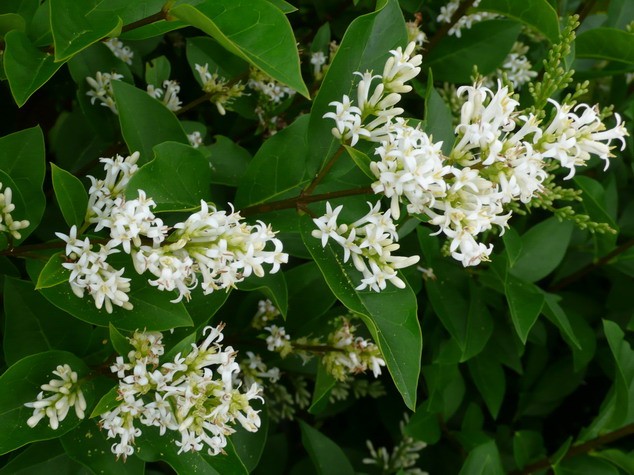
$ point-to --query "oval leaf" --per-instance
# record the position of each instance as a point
(71, 196)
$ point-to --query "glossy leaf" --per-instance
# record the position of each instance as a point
(543, 249)
(229, 161)
(488, 376)
(438, 121)
(538, 14)
(485, 45)
(78, 24)
(53, 273)
(33, 325)
(22, 158)
(391, 315)
(624, 371)
(157, 70)
(41, 458)
(71, 196)
(119, 342)
(26, 67)
(88, 445)
(250, 445)
(254, 30)
(327, 457)
(483, 460)
(361, 160)
(153, 447)
(606, 43)
(108, 401)
(272, 285)
(277, 169)
(21, 384)
(176, 179)
(145, 122)
(528, 445)
(525, 304)
(365, 46)
(323, 386)
(10, 21)
(152, 310)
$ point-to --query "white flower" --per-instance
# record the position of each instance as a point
(7, 224)
(64, 394)
(317, 59)
(124, 53)
(168, 95)
(102, 89)
(195, 139)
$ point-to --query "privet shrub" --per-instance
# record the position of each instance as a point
(228, 226)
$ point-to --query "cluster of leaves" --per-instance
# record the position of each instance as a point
(527, 361)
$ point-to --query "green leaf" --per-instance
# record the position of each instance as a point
(254, 30)
(157, 71)
(97, 58)
(53, 273)
(10, 21)
(528, 445)
(152, 30)
(538, 14)
(33, 325)
(153, 447)
(152, 309)
(145, 122)
(323, 385)
(108, 401)
(620, 14)
(309, 296)
(277, 169)
(586, 465)
(229, 161)
(177, 179)
(327, 457)
(272, 285)
(365, 46)
(424, 425)
(391, 315)
(543, 249)
(624, 371)
(119, 342)
(78, 24)
(512, 245)
(488, 376)
(606, 43)
(22, 158)
(556, 314)
(71, 196)
(21, 384)
(26, 67)
(284, 6)
(362, 161)
(438, 120)
(250, 445)
(483, 460)
(525, 302)
(485, 45)
(622, 460)
(204, 50)
(88, 445)
(41, 458)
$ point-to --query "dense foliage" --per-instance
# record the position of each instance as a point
(317, 236)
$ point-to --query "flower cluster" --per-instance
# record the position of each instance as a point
(516, 66)
(168, 95)
(415, 33)
(7, 223)
(184, 395)
(63, 394)
(349, 119)
(343, 353)
(102, 91)
(370, 242)
(219, 90)
(466, 21)
(124, 53)
(268, 87)
(403, 457)
(195, 139)
(499, 156)
(212, 243)
(265, 314)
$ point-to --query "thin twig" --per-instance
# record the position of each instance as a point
(590, 267)
(302, 200)
(584, 10)
(324, 171)
(579, 449)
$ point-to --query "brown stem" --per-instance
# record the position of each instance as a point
(158, 16)
(590, 267)
(324, 171)
(584, 9)
(579, 449)
(23, 251)
(302, 200)
(444, 29)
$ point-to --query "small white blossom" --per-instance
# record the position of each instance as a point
(7, 223)
(61, 395)
(102, 89)
(124, 53)
(195, 139)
